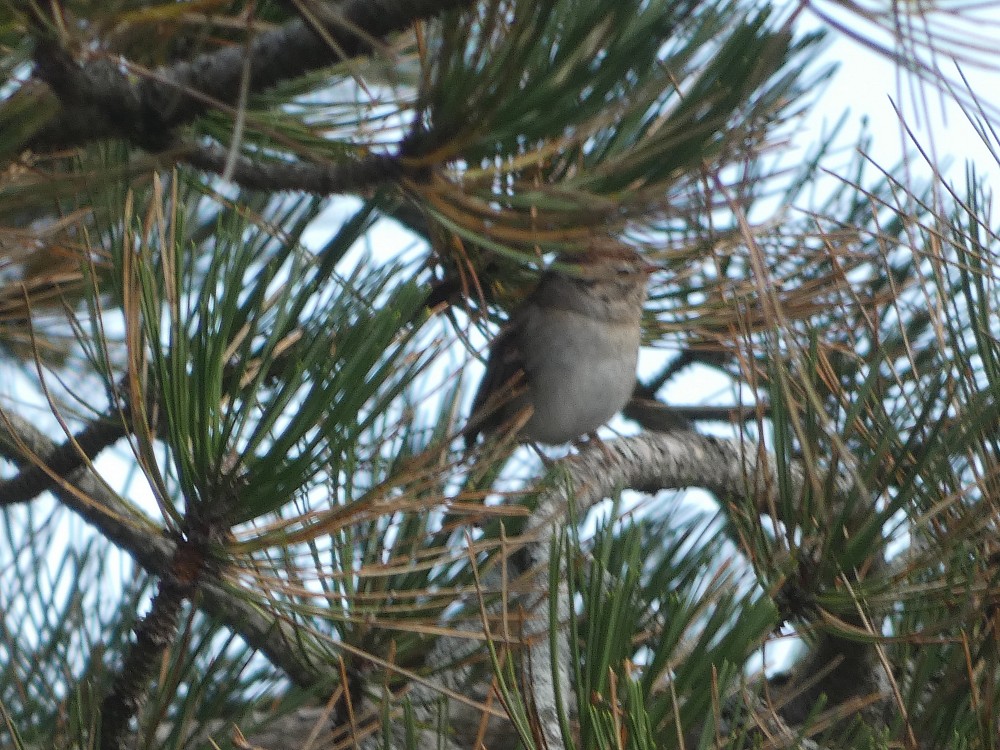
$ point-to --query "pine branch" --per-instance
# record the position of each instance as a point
(154, 634)
(310, 177)
(99, 101)
(648, 463)
(90, 499)
(652, 462)
(42, 472)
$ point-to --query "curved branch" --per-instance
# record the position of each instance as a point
(652, 462)
(649, 462)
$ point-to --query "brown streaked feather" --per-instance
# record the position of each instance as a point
(503, 381)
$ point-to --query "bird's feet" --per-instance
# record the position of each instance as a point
(591, 439)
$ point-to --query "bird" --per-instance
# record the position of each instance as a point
(565, 362)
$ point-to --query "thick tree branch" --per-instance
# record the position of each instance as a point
(154, 635)
(651, 462)
(100, 102)
(648, 462)
(274, 176)
(121, 524)
(61, 461)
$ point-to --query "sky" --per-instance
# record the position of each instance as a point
(869, 85)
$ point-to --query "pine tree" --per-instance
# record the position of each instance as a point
(248, 252)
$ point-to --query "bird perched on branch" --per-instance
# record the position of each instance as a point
(565, 363)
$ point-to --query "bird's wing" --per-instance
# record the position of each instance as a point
(504, 378)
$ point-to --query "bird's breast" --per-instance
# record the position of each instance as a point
(581, 371)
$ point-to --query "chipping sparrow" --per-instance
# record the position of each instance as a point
(569, 351)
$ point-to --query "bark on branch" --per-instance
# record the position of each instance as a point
(648, 463)
(123, 526)
(99, 101)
